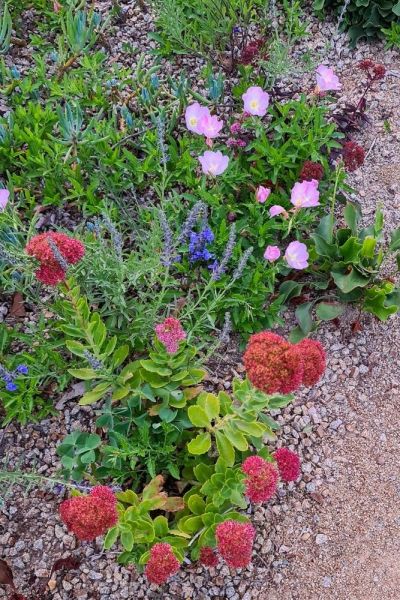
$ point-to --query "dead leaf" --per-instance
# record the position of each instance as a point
(17, 309)
(69, 563)
(6, 576)
(76, 391)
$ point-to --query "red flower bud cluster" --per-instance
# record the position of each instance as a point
(262, 478)
(250, 52)
(90, 516)
(275, 365)
(54, 260)
(288, 464)
(208, 558)
(162, 563)
(375, 71)
(353, 156)
(235, 542)
(311, 170)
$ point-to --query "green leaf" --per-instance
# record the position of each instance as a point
(95, 394)
(322, 247)
(236, 438)
(152, 367)
(111, 537)
(326, 311)
(347, 278)
(195, 376)
(211, 406)
(200, 444)
(225, 448)
(250, 428)
(85, 374)
(352, 216)
(119, 356)
(350, 250)
(304, 318)
(198, 416)
(203, 472)
(160, 526)
(121, 392)
(76, 348)
(196, 504)
(395, 240)
(127, 540)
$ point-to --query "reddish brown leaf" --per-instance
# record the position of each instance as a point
(356, 326)
(17, 309)
(6, 576)
(69, 563)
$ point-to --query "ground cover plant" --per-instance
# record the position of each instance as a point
(145, 219)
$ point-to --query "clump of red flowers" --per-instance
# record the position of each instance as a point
(235, 542)
(311, 170)
(262, 478)
(353, 156)
(162, 563)
(208, 558)
(288, 464)
(375, 71)
(251, 51)
(275, 365)
(90, 516)
(170, 332)
(55, 252)
(314, 361)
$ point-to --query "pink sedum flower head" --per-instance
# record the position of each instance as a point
(210, 126)
(276, 210)
(235, 542)
(288, 464)
(193, 115)
(327, 80)
(305, 194)
(297, 255)
(4, 196)
(256, 101)
(162, 563)
(262, 479)
(170, 332)
(272, 253)
(262, 194)
(213, 163)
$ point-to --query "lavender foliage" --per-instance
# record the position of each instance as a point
(242, 264)
(220, 268)
(57, 254)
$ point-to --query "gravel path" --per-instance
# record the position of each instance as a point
(333, 535)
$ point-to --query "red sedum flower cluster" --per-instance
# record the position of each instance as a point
(311, 170)
(251, 52)
(235, 542)
(170, 332)
(53, 268)
(353, 156)
(90, 516)
(375, 71)
(275, 365)
(208, 558)
(288, 464)
(162, 563)
(262, 478)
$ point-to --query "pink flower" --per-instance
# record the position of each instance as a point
(276, 210)
(297, 255)
(213, 163)
(193, 115)
(288, 464)
(210, 126)
(272, 253)
(56, 6)
(235, 542)
(208, 558)
(170, 332)
(90, 516)
(262, 479)
(327, 80)
(162, 563)
(262, 194)
(4, 196)
(256, 101)
(305, 194)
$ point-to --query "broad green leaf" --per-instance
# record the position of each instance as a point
(121, 392)
(225, 448)
(95, 394)
(198, 416)
(211, 406)
(152, 367)
(304, 318)
(352, 216)
(327, 311)
(76, 348)
(347, 278)
(395, 240)
(119, 356)
(236, 438)
(196, 504)
(111, 537)
(127, 540)
(203, 472)
(250, 428)
(160, 526)
(85, 374)
(200, 444)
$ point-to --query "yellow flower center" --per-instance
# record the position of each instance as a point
(254, 104)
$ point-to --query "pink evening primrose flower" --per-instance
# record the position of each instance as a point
(4, 196)
(305, 194)
(276, 210)
(262, 194)
(193, 115)
(256, 101)
(210, 126)
(327, 80)
(297, 255)
(272, 253)
(213, 163)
